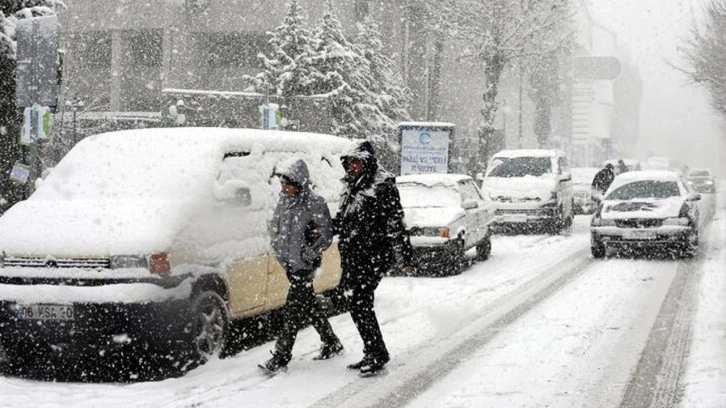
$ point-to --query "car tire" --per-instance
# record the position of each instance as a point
(690, 246)
(484, 248)
(456, 261)
(209, 326)
(557, 223)
(597, 248)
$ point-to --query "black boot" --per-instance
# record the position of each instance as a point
(274, 365)
(329, 350)
(358, 365)
(374, 364)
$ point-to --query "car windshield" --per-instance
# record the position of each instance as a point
(419, 195)
(645, 189)
(523, 166)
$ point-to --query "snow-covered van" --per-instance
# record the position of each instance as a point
(154, 231)
(530, 186)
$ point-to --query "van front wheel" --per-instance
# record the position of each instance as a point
(209, 326)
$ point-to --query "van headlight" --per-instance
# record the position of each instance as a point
(129, 261)
(158, 264)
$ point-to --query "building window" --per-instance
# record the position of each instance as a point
(93, 48)
(144, 47)
(233, 49)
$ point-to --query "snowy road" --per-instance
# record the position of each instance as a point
(539, 324)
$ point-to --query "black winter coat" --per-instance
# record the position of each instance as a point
(373, 237)
(603, 179)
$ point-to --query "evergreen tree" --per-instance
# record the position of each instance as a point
(342, 74)
(387, 90)
(287, 69)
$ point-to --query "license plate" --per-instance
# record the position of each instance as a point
(515, 218)
(45, 312)
(639, 235)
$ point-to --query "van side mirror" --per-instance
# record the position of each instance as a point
(565, 177)
(597, 197)
(693, 197)
(470, 204)
(233, 192)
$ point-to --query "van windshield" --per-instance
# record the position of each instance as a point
(523, 166)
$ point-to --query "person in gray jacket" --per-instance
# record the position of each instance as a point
(300, 230)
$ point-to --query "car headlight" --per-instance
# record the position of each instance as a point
(433, 232)
(676, 221)
(598, 221)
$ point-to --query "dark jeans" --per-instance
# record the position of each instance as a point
(301, 306)
(358, 297)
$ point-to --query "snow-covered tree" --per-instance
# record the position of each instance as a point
(497, 33)
(365, 95)
(706, 52)
(343, 75)
(386, 91)
(287, 65)
(10, 117)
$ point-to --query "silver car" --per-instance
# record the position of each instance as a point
(446, 215)
(646, 209)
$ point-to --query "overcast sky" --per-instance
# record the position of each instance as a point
(676, 118)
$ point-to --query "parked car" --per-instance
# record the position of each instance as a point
(701, 180)
(646, 209)
(530, 188)
(582, 189)
(446, 215)
(154, 234)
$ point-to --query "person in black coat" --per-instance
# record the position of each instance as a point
(373, 240)
(603, 179)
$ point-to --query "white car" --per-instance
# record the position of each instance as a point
(446, 215)
(530, 188)
(645, 209)
(701, 180)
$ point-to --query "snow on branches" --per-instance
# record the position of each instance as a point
(28, 9)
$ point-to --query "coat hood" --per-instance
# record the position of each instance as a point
(363, 150)
(296, 170)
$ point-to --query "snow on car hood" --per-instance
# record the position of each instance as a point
(431, 216)
(527, 187)
(643, 208)
(91, 228)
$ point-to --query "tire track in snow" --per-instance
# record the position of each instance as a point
(655, 381)
(430, 362)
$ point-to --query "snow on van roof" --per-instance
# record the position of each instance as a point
(526, 153)
(166, 162)
(433, 179)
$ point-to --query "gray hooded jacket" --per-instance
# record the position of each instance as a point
(291, 218)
